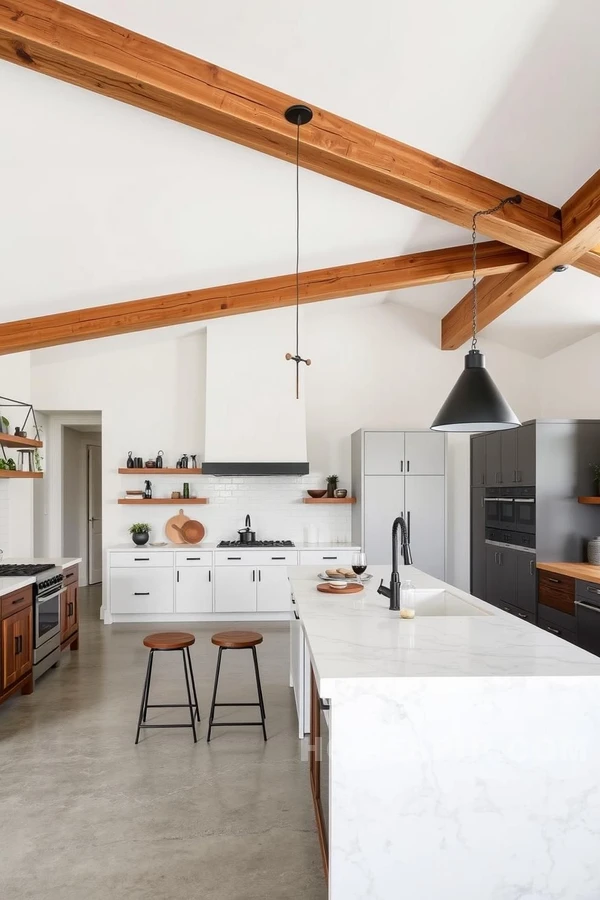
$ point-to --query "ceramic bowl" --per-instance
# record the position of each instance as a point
(341, 493)
(338, 585)
(316, 495)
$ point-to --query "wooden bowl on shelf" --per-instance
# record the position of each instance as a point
(316, 495)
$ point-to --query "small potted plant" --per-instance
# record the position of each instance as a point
(595, 467)
(140, 532)
(332, 483)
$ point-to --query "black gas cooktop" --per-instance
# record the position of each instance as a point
(24, 569)
(256, 544)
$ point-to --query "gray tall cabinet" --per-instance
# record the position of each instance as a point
(400, 473)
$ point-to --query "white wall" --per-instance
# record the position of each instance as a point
(569, 381)
(16, 497)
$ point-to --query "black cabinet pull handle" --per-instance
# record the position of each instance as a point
(141, 559)
(20, 600)
(402, 465)
(209, 575)
(193, 558)
(330, 557)
(408, 470)
(16, 645)
(296, 614)
(177, 576)
(259, 575)
(253, 574)
(141, 593)
(234, 557)
(278, 557)
(324, 706)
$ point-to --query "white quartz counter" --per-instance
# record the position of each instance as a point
(212, 545)
(10, 584)
(63, 562)
(356, 636)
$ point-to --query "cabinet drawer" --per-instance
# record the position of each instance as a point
(193, 558)
(327, 557)
(272, 557)
(564, 633)
(15, 602)
(556, 591)
(583, 589)
(557, 618)
(135, 591)
(143, 559)
(522, 614)
(71, 575)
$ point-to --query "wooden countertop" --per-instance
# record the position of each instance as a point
(583, 571)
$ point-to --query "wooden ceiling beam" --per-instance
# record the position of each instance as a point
(54, 39)
(430, 267)
(581, 232)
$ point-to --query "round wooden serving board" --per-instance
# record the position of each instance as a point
(350, 589)
(174, 536)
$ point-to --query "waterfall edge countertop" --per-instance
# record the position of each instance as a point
(581, 571)
(355, 636)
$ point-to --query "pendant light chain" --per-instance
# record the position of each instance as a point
(483, 212)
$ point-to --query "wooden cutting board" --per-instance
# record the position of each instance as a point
(350, 589)
(172, 534)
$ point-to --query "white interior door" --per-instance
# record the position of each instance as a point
(384, 500)
(94, 514)
(426, 516)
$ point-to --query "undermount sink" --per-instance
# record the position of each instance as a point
(443, 603)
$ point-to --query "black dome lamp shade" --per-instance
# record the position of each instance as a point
(475, 403)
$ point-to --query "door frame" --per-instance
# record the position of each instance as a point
(89, 529)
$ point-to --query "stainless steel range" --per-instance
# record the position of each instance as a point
(47, 590)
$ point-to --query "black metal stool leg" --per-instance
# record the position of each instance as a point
(189, 693)
(214, 696)
(189, 659)
(144, 696)
(260, 693)
(151, 663)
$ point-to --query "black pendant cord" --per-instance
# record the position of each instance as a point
(298, 115)
(483, 212)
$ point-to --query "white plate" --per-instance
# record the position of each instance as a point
(324, 577)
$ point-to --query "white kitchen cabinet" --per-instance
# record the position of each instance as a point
(384, 452)
(383, 501)
(193, 589)
(235, 589)
(136, 591)
(142, 558)
(273, 590)
(425, 515)
(193, 558)
(329, 559)
(424, 453)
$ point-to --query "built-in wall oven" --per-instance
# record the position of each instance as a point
(512, 509)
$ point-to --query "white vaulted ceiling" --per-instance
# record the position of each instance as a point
(103, 202)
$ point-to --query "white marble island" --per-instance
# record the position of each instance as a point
(463, 749)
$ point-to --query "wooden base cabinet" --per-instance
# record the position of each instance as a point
(318, 759)
(69, 610)
(16, 643)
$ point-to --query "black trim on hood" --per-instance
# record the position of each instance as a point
(254, 468)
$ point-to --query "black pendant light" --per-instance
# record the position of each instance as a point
(298, 115)
(475, 403)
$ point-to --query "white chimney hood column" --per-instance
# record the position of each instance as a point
(252, 415)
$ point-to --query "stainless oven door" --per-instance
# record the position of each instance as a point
(47, 617)
(525, 511)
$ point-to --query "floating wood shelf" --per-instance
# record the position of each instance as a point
(145, 471)
(11, 440)
(593, 501)
(329, 499)
(10, 473)
(179, 501)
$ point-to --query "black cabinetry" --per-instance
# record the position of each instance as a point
(478, 472)
(478, 542)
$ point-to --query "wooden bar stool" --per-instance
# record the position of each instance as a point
(237, 640)
(168, 641)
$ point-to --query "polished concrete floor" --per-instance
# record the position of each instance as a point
(87, 815)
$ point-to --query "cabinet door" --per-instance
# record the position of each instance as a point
(526, 582)
(138, 591)
(508, 444)
(424, 453)
(478, 545)
(493, 459)
(69, 610)
(273, 591)
(507, 576)
(383, 501)
(194, 590)
(17, 646)
(235, 589)
(526, 454)
(478, 460)
(492, 583)
(425, 502)
(384, 452)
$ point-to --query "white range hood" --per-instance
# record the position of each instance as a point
(254, 424)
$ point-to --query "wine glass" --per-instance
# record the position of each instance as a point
(359, 564)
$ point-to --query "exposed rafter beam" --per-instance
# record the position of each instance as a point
(66, 43)
(581, 231)
(430, 267)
